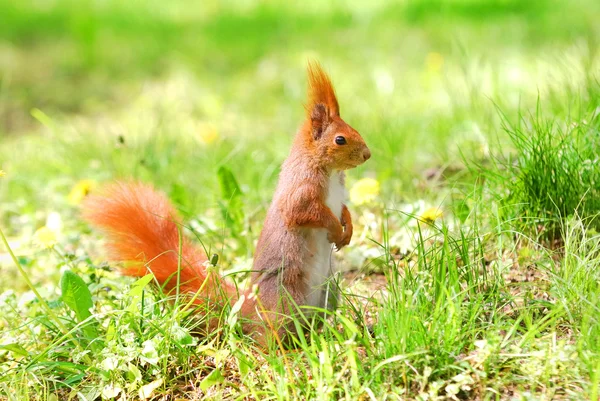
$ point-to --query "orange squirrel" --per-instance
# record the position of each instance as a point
(292, 263)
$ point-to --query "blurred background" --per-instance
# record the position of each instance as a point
(169, 92)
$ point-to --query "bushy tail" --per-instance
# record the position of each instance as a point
(144, 234)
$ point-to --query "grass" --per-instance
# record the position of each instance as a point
(473, 274)
(556, 173)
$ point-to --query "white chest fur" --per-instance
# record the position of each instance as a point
(320, 265)
(336, 195)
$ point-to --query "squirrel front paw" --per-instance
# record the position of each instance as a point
(336, 237)
(345, 240)
(333, 238)
(341, 238)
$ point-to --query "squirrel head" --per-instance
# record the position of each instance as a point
(336, 144)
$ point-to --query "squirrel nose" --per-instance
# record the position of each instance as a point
(366, 154)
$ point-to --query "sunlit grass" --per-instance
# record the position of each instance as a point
(481, 117)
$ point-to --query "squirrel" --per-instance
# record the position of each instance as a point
(292, 262)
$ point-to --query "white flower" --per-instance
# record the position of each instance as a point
(111, 391)
(149, 353)
(110, 363)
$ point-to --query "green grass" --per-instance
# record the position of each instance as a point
(485, 109)
(555, 174)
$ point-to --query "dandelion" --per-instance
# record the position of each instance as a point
(434, 62)
(45, 237)
(432, 214)
(364, 191)
(80, 191)
(208, 133)
(2, 173)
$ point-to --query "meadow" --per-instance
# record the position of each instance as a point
(474, 270)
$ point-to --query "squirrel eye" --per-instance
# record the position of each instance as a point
(340, 140)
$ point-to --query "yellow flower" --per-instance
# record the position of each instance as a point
(434, 62)
(45, 237)
(208, 133)
(432, 214)
(80, 191)
(2, 173)
(364, 191)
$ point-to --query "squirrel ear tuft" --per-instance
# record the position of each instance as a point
(320, 91)
(319, 119)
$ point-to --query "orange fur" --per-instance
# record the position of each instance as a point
(320, 90)
(144, 233)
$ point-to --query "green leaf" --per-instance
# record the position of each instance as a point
(244, 365)
(136, 293)
(178, 194)
(215, 377)
(15, 348)
(111, 331)
(348, 324)
(133, 373)
(147, 390)
(233, 314)
(461, 210)
(77, 296)
(232, 204)
(138, 287)
(89, 393)
(182, 336)
(228, 183)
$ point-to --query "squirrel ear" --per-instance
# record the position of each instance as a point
(320, 90)
(319, 119)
